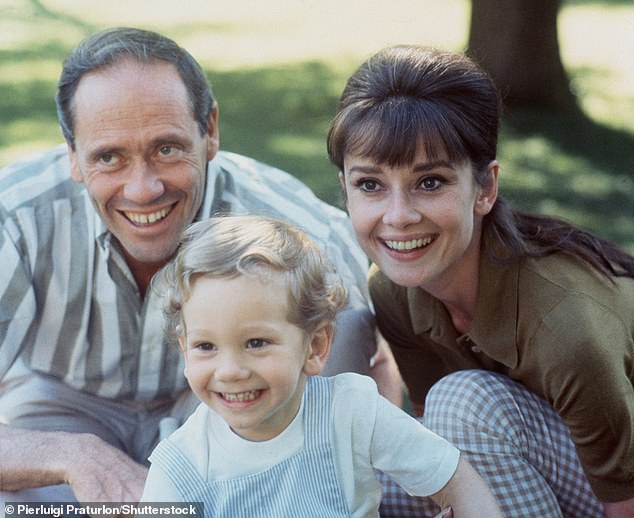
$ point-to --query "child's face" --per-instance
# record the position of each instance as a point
(242, 356)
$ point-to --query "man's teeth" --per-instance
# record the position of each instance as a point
(408, 245)
(241, 396)
(147, 219)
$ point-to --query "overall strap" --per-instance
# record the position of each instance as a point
(179, 468)
(317, 412)
(305, 484)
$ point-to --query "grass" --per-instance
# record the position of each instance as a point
(277, 69)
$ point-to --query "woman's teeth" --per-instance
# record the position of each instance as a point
(408, 245)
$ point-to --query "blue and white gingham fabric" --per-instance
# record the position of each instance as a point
(514, 439)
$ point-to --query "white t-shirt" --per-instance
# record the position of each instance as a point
(370, 433)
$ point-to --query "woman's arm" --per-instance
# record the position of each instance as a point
(624, 509)
(385, 373)
(467, 494)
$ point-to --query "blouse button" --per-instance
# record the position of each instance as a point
(476, 349)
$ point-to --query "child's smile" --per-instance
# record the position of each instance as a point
(240, 397)
(243, 358)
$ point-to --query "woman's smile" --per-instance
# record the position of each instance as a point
(415, 221)
(408, 245)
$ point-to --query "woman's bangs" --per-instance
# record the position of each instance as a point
(393, 135)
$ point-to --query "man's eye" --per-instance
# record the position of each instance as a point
(108, 159)
(256, 343)
(167, 150)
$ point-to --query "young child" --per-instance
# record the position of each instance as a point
(253, 302)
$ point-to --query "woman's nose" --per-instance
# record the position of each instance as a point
(401, 211)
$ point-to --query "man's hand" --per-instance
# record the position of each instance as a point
(102, 473)
(95, 471)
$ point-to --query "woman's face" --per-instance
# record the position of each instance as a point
(421, 222)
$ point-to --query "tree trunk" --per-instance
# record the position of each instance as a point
(516, 42)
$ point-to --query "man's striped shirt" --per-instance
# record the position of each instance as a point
(69, 306)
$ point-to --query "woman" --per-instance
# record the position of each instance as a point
(514, 332)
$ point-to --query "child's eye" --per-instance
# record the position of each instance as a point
(256, 343)
(204, 346)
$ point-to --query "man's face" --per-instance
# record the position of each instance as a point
(141, 156)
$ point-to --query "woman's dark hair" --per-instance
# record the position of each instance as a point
(112, 45)
(407, 96)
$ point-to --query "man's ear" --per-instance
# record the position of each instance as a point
(75, 171)
(319, 348)
(213, 134)
(489, 192)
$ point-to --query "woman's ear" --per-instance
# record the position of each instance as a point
(489, 192)
(342, 182)
(319, 349)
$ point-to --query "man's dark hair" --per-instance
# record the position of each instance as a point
(113, 45)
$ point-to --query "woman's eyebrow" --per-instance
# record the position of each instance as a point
(365, 169)
(419, 167)
(430, 166)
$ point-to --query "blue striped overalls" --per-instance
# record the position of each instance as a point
(301, 486)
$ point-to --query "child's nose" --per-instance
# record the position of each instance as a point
(230, 367)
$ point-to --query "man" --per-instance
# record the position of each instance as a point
(87, 374)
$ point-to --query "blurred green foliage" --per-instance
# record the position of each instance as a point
(579, 166)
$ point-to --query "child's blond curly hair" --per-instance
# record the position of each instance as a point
(261, 246)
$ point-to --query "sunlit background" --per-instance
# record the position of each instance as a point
(278, 66)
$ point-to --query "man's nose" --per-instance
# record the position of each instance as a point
(143, 184)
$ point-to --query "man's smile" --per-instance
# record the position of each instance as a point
(142, 219)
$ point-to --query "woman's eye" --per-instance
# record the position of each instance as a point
(368, 185)
(256, 343)
(430, 183)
